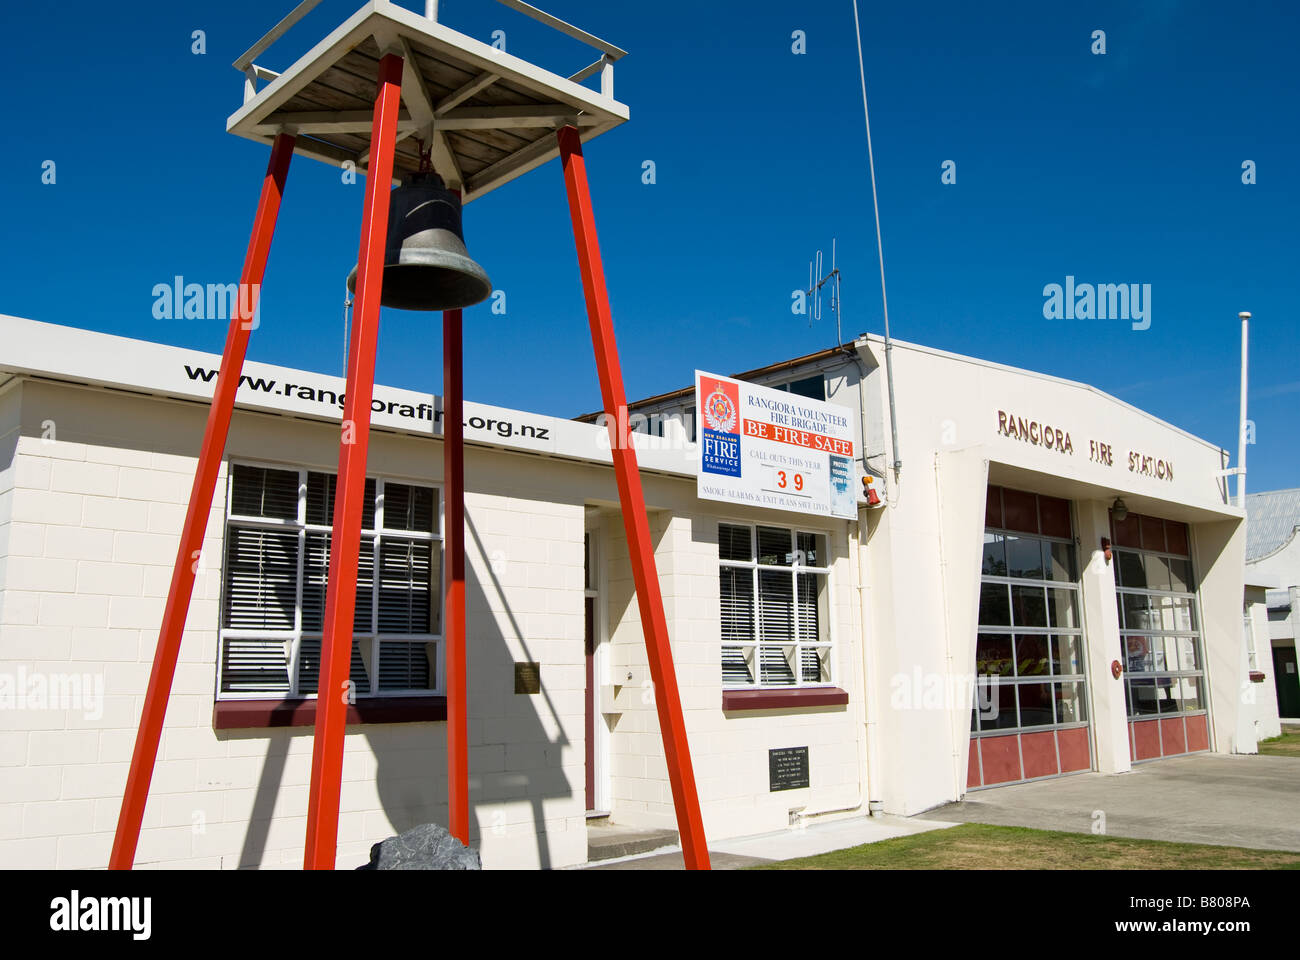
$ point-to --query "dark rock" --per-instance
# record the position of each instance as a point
(426, 847)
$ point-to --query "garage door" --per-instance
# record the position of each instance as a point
(1164, 669)
(1030, 718)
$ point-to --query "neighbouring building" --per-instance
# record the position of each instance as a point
(1052, 583)
(1273, 558)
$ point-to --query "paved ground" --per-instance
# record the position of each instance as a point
(785, 845)
(1245, 801)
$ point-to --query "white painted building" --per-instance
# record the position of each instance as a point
(1273, 562)
(857, 641)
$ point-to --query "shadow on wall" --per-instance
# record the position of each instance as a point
(512, 757)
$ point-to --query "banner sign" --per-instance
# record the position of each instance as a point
(761, 447)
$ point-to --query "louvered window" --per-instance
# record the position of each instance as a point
(276, 573)
(773, 616)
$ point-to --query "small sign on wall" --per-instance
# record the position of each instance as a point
(787, 768)
(528, 678)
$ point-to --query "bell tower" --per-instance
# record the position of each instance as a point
(403, 97)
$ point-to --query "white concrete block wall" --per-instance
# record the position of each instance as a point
(93, 526)
(729, 750)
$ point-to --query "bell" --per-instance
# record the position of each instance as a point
(426, 265)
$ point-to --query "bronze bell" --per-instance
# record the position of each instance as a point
(426, 265)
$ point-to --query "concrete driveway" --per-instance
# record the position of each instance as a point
(1240, 801)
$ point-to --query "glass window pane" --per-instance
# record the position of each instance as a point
(775, 606)
(995, 702)
(736, 591)
(1166, 699)
(405, 590)
(1157, 572)
(404, 665)
(1063, 607)
(995, 605)
(1180, 576)
(261, 579)
(815, 664)
(263, 492)
(254, 666)
(1028, 606)
(995, 556)
(735, 543)
(1138, 612)
(811, 611)
(321, 488)
(812, 550)
(1035, 704)
(1142, 697)
(1187, 691)
(1164, 654)
(1031, 655)
(775, 546)
(1060, 562)
(409, 508)
(1189, 653)
(1130, 569)
(776, 666)
(1138, 653)
(993, 654)
(1071, 702)
(738, 665)
(1067, 655)
(1024, 558)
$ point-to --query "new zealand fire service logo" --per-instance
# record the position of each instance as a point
(720, 403)
(720, 412)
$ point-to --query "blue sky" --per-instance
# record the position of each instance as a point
(1119, 168)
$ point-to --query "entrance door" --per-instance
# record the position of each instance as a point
(1288, 682)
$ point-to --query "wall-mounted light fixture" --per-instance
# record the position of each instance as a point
(1119, 510)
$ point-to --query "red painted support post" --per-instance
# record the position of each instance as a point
(645, 576)
(453, 453)
(181, 590)
(345, 544)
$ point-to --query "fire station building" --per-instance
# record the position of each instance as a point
(1050, 583)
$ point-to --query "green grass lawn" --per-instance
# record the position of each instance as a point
(1287, 745)
(976, 846)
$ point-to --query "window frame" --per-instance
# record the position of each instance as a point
(295, 636)
(794, 570)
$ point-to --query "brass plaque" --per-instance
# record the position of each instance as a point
(528, 678)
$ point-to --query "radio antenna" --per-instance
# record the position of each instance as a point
(815, 283)
(880, 245)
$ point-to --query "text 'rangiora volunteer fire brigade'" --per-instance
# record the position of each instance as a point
(769, 448)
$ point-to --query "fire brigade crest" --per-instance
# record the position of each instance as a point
(720, 412)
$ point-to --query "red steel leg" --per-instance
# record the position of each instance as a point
(644, 574)
(453, 452)
(181, 590)
(345, 544)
